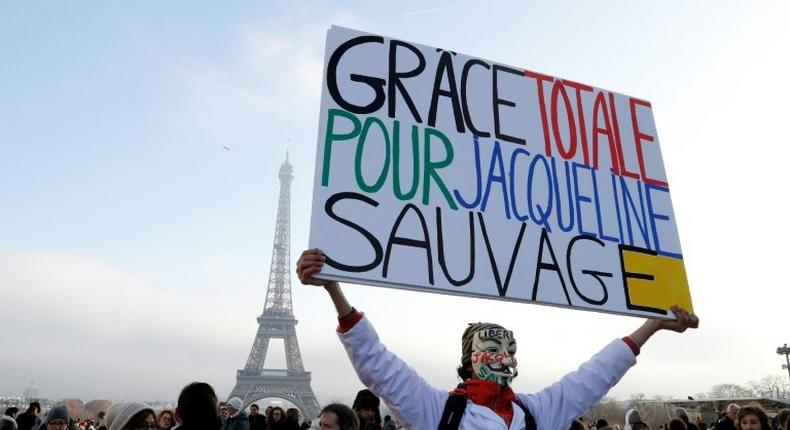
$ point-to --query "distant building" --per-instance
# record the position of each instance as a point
(31, 392)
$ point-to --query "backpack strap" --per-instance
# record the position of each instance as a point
(453, 411)
(529, 420)
(456, 405)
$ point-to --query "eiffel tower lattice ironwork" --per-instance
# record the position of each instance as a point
(278, 322)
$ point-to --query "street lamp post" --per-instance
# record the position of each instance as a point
(785, 350)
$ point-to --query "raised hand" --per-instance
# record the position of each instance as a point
(310, 262)
(684, 320)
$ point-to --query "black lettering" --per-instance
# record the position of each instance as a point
(397, 240)
(594, 273)
(553, 266)
(377, 84)
(636, 275)
(445, 68)
(502, 289)
(374, 243)
(464, 99)
(502, 102)
(442, 259)
(395, 77)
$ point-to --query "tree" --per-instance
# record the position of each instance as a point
(609, 409)
(772, 386)
(729, 391)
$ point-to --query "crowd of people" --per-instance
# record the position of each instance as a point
(199, 409)
(735, 417)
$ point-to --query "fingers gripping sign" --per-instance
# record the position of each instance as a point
(310, 262)
(684, 320)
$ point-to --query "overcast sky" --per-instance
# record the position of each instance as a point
(134, 249)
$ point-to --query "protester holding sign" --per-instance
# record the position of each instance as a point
(488, 365)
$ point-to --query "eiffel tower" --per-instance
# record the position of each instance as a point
(277, 321)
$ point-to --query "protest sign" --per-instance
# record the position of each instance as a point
(440, 172)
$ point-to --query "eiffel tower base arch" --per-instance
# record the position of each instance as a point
(283, 384)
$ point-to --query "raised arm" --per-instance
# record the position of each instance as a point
(556, 405)
(684, 320)
(410, 398)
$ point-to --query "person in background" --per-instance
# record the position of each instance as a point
(237, 419)
(753, 417)
(292, 419)
(602, 424)
(57, 418)
(366, 405)
(26, 420)
(578, 425)
(276, 419)
(388, 424)
(8, 421)
(683, 415)
(100, 425)
(336, 416)
(198, 408)
(727, 422)
(677, 424)
(166, 420)
(257, 421)
(633, 421)
(131, 416)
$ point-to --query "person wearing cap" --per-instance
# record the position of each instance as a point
(488, 365)
(57, 418)
(131, 416)
(633, 421)
(237, 419)
(366, 406)
(682, 415)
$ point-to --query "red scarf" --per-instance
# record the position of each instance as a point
(490, 394)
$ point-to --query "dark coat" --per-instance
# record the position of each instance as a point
(25, 421)
(725, 424)
(257, 422)
(238, 422)
(7, 423)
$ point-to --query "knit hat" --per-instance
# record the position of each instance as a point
(235, 403)
(633, 417)
(680, 412)
(366, 400)
(58, 413)
(466, 340)
(120, 414)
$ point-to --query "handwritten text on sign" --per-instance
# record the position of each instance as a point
(447, 173)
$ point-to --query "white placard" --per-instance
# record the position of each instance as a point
(440, 172)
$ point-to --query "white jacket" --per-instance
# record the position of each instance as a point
(419, 406)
